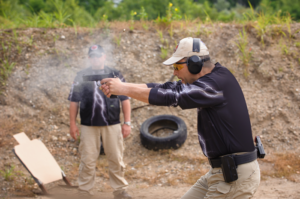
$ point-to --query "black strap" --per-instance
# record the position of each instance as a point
(196, 45)
(239, 159)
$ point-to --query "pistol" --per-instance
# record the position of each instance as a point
(98, 78)
(260, 148)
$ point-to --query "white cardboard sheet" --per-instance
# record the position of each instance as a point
(37, 158)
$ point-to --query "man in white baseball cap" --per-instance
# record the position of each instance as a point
(185, 49)
(190, 57)
(223, 125)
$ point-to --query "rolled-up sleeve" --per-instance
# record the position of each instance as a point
(198, 94)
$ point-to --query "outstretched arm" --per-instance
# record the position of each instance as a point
(198, 94)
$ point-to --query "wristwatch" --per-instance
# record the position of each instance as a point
(128, 123)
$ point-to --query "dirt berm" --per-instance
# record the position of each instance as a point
(34, 101)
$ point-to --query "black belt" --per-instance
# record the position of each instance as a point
(239, 159)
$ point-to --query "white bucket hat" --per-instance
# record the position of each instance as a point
(185, 49)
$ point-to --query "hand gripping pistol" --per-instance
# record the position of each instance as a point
(98, 78)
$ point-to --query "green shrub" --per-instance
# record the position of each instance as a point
(60, 13)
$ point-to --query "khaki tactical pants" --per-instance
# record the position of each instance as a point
(212, 184)
(89, 149)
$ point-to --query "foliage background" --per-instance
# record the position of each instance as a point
(88, 13)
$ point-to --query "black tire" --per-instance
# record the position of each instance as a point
(156, 123)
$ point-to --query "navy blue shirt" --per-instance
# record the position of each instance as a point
(93, 103)
(223, 120)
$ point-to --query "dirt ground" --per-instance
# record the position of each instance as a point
(269, 188)
(34, 101)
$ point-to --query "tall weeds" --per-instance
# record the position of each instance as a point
(5, 70)
(61, 14)
(242, 44)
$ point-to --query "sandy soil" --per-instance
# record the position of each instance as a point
(268, 189)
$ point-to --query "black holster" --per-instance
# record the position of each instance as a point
(229, 168)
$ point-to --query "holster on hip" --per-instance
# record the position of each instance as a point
(229, 168)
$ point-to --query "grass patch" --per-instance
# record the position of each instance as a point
(161, 36)
(261, 26)
(105, 24)
(242, 45)
(284, 48)
(143, 17)
(5, 70)
(164, 52)
(117, 39)
(30, 40)
(145, 26)
(9, 174)
(132, 14)
(246, 73)
(288, 21)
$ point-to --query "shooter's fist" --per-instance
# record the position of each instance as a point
(112, 86)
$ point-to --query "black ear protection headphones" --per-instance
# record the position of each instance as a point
(195, 63)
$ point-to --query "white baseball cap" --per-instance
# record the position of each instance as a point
(185, 49)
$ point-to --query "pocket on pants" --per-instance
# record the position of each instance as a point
(219, 190)
(224, 187)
